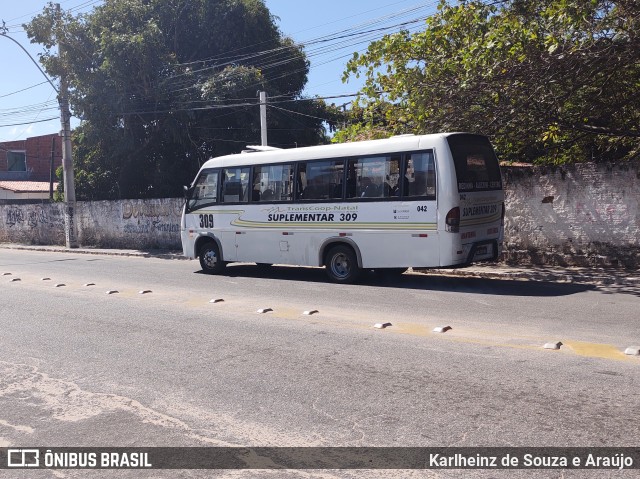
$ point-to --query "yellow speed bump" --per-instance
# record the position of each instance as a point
(595, 350)
(581, 348)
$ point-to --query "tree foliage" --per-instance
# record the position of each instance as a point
(549, 81)
(162, 85)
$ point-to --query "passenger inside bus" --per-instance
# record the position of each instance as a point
(405, 184)
(419, 184)
(232, 191)
(267, 195)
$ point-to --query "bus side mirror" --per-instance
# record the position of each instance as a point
(187, 192)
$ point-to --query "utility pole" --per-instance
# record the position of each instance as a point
(67, 160)
(263, 117)
(65, 119)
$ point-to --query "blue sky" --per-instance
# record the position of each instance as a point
(331, 31)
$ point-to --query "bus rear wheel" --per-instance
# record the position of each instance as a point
(210, 259)
(342, 265)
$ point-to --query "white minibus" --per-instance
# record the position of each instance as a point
(407, 201)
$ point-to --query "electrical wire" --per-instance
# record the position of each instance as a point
(32, 14)
(325, 48)
(24, 89)
(280, 63)
(28, 122)
(297, 113)
(325, 44)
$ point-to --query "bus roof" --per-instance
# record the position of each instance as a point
(339, 150)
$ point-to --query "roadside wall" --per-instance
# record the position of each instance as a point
(582, 215)
(39, 223)
(131, 224)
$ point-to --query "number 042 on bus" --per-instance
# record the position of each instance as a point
(407, 201)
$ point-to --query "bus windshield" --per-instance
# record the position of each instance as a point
(476, 164)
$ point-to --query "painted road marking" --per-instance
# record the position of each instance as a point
(345, 319)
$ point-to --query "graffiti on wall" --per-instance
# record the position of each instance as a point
(33, 217)
(15, 217)
(135, 209)
(137, 229)
(166, 227)
(152, 218)
(148, 227)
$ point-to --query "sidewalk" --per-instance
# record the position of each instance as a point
(556, 274)
(152, 253)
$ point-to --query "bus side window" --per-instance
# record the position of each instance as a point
(235, 185)
(373, 177)
(419, 175)
(320, 180)
(272, 183)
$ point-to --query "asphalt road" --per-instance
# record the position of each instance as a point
(169, 368)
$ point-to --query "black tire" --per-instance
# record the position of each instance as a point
(342, 265)
(210, 260)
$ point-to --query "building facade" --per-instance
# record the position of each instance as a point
(28, 166)
(30, 159)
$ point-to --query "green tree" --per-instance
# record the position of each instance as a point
(549, 81)
(162, 85)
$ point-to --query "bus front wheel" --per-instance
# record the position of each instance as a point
(210, 259)
(342, 265)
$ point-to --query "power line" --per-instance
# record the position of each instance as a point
(322, 46)
(24, 89)
(297, 113)
(263, 68)
(272, 59)
(280, 57)
(30, 122)
(37, 12)
(36, 117)
(353, 16)
(26, 112)
(244, 103)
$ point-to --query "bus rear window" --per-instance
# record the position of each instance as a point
(476, 164)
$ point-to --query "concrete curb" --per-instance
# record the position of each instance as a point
(601, 277)
(164, 254)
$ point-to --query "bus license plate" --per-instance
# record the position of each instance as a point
(483, 251)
